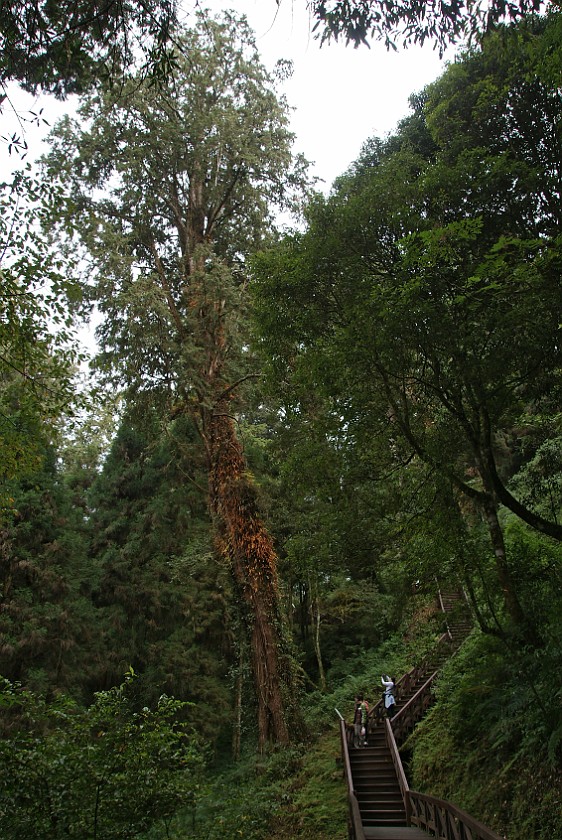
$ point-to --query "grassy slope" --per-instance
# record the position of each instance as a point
(485, 743)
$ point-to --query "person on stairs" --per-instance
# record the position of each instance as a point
(360, 722)
(389, 700)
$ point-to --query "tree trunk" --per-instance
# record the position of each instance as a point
(513, 607)
(237, 728)
(244, 540)
(240, 532)
(316, 619)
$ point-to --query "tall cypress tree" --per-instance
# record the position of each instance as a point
(189, 177)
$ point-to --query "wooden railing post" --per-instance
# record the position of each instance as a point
(356, 824)
(397, 761)
(443, 819)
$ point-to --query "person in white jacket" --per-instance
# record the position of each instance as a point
(389, 700)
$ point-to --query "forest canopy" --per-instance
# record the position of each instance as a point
(415, 277)
(294, 440)
(404, 22)
(67, 46)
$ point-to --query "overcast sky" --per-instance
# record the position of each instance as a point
(340, 95)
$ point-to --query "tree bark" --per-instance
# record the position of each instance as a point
(244, 540)
(513, 607)
(316, 621)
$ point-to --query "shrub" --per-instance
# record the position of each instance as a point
(108, 771)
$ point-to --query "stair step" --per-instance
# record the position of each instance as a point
(379, 784)
(369, 803)
(374, 776)
(370, 795)
(380, 792)
(369, 759)
(374, 771)
(398, 819)
(378, 818)
(394, 833)
(361, 753)
(377, 748)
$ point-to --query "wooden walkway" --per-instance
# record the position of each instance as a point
(376, 780)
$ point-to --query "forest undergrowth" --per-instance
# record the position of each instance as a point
(484, 746)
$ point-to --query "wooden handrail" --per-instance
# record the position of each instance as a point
(412, 711)
(397, 761)
(356, 824)
(356, 821)
(376, 712)
(444, 820)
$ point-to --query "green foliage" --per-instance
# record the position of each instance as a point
(410, 335)
(162, 601)
(293, 793)
(539, 482)
(107, 771)
(300, 792)
(68, 46)
(492, 736)
(175, 187)
(397, 22)
(219, 125)
(47, 622)
(38, 350)
(315, 806)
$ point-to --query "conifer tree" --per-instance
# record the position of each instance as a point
(174, 188)
(46, 621)
(162, 600)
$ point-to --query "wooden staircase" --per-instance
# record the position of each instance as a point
(377, 782)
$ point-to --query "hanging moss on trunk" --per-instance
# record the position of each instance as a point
(243, 538)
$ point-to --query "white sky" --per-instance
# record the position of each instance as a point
(340, 95)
